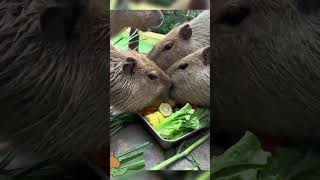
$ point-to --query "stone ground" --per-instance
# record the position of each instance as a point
(136, 134)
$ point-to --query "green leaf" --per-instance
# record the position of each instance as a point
(118, 172)
(295, 164)
(136, 149)
(239, 159)
(117, 122)
(183, 121)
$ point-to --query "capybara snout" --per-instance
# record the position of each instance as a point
(191, 78)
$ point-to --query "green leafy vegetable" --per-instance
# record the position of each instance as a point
(204, 176)
(182, 122)
(131, 159)
(244, 159)
(202, 115)
(247, 161)
(118, 172)
(117, 122)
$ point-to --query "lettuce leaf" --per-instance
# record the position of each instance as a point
(246, 160)
(182, 122)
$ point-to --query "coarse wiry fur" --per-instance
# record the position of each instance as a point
(53, 91)
(267, 68)
(142, 20)
(136, 91)
(191, 85)
(200, 38)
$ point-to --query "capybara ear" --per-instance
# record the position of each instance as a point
(309, 6)
(185, 32)
(128, 67)
(206, 56)
(58, 22)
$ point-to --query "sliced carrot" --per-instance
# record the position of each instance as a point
(147, 110)
(194, 106)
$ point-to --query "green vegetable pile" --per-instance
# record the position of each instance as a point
(183, 121)
(247, 161)
(131, 159)
(119, 121)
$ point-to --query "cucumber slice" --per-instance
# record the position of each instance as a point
(165, 109)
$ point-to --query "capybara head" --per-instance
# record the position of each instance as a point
(182, 40)
(267, 70)
(136, 82)
(142, 20)
(191, 78)
(53, 75)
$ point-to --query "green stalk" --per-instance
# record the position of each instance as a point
(116, 129)
(126, 154)
(190, 169)
(185, 153)
(204, 176)
(194, 161)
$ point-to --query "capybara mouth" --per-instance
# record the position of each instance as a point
(171, 92)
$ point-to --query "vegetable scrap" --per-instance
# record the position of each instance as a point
(155, 118)
(131, 159)
(165, 109)
(182, 154)
(172, 124)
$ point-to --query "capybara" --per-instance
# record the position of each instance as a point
(135, 81)
(266, 76)
(142, 20)
(53, 76)
(182, 40)
(191, 78)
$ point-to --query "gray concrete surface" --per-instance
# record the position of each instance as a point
(136, 134)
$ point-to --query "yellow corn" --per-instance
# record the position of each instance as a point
(155, 118)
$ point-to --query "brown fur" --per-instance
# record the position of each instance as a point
(142, 20)
(200, 38)
(136, 91)
(193, 83)
(267, 68)
(53, 76)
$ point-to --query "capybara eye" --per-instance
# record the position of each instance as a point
(168, 46)
(234, 15)
(152, 76)
(183, 66)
